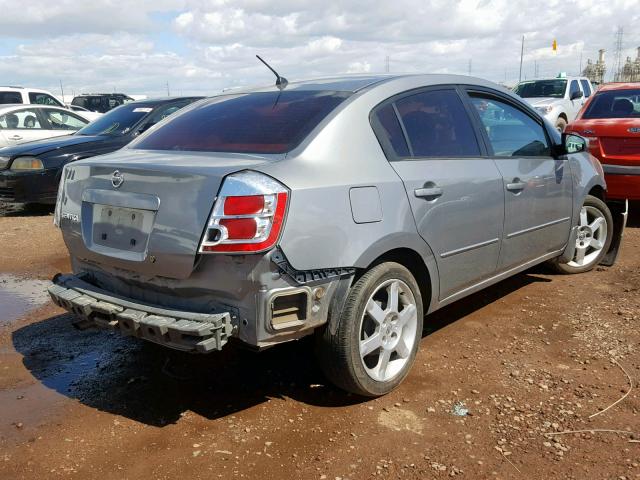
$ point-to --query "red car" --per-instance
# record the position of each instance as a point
(610, 120)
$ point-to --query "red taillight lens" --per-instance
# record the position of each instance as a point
(246, 223)
(245, 205)
(240, 228)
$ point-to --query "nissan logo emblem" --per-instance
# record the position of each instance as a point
(634, 130)
(117, 179)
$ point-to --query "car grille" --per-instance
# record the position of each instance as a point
(621, 147)
(7, 192)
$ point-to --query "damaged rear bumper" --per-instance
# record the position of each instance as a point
(187, 331)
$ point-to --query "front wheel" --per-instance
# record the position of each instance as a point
(561, 124)
(595, 231)
(378, 332)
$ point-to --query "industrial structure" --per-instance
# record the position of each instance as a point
(630, 72)
(595, 71)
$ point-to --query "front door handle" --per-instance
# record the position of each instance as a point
(15, 137)
(516, 186)
(430, 192)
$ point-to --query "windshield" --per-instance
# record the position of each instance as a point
(116, 122)
(541, 88)
(260, 122)
(614, 104)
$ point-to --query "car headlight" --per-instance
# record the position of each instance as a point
(4, 161)
(27, 163)
(545, 109)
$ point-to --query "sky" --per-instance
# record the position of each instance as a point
(202, 47)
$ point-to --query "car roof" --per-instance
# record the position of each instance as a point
(9, 107)
(356, 83)
(619, 86)
(29, 89)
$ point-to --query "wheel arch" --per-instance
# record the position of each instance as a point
(414, 262)
(598, 191)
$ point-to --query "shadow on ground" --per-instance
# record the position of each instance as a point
(155, 385)
(25, 210)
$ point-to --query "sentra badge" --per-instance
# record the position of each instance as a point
(71, 216)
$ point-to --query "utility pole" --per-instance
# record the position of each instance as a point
(521, 55)
(580, 68)
(168, 91)
(470, 64)
(61, 90)
(386, 64)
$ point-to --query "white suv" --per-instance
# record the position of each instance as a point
(558, 99)
(28, 95)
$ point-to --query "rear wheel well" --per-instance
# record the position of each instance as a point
(598, 192)
(413, 262)
(564, 116)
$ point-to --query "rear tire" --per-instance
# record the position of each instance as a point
(595, 232)
(378, 334)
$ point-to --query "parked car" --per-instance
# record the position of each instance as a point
(30, 173)
(345, 207)
(557, 99)
(88, 114)
(14, 95)
(25, 123)
(101, 102)
(611, 123)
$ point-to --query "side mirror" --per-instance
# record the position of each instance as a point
(576, 95)
(572, 143)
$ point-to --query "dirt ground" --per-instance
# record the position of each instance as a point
(530, 358)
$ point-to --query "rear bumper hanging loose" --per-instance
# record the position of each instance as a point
(187, 331)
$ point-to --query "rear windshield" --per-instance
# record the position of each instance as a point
(614, 104)
(116, 122)
(260, 122)
(541, 88)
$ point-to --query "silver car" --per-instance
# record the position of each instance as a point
(347, 208)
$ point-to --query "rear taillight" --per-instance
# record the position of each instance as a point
(247, 216)
(593, 143)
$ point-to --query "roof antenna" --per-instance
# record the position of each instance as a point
(281, 82)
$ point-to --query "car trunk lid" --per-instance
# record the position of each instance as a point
(618, 138)
(144, 212)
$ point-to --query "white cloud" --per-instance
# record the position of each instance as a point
(202, 46)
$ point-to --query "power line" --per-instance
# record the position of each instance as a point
(617, 66)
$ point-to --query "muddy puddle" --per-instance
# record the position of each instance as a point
(18, 296)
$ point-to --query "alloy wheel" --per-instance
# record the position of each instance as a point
(591, 237)
(388, 330)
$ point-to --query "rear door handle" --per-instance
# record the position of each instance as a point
(516, 185)
(431, 192)
(15, 137)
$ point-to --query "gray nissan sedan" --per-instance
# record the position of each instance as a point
(346, 207)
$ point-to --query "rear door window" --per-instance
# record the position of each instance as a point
(10, 97)
(437, 125)
(20, 120)
(511, 132)
(258, 122)
(586, 88)
(389, 131)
